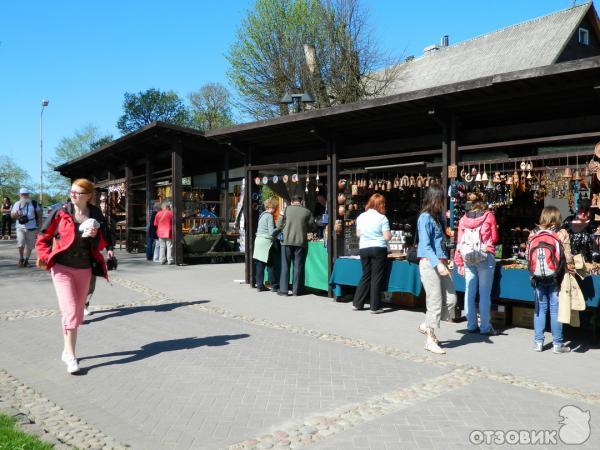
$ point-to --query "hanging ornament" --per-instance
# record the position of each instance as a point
(317, 179)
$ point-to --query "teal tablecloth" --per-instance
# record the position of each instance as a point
(402, 276)
(513, 284)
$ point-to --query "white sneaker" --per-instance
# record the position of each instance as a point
(71, 362)
(432, 346)
(86, 312)
(539, 346)
(560, 348)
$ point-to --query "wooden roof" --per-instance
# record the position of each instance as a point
(544, 93)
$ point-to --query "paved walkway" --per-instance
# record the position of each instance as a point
(186, 358)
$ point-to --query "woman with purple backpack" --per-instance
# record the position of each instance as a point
(549, 256)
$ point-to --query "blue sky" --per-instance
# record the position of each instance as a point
(83, 55)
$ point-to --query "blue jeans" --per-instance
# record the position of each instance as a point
(479, 277)
(547, 296)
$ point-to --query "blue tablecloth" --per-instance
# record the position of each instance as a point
(402, 276)
(514, 284)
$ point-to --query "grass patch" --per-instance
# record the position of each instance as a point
(12, 438)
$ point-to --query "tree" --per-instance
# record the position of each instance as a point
(12, 178)
(143, 108)
(323, 47)
(82, 141)
(211, 107)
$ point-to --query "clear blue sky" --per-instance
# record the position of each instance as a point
(83, 55)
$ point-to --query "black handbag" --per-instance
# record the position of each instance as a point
(112, 263)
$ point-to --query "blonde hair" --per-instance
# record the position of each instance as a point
(550, 217)
(270, 203)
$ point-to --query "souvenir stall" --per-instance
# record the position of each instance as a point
(160, 162)
(438, 132)
(403, 186)
(282, 183)
(517, 189)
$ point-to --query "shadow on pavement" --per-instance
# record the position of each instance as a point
(155, 348)
(126, 311)
(468, 338)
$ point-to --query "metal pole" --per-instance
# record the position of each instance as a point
(44, 104)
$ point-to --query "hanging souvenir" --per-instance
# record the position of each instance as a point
(388, 185)
(420, 181)
(275, 179)
(341, 199)
(257, 181)
(478, 174)
(295, 178)
(341, 184)
(285, 178)
(265, 180)
(497, 178)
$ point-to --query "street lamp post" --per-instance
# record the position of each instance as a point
(44, 104)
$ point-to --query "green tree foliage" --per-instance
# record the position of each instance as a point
(211, 107)
(323, 47)
(153, 105)
(82, 141)
(12, 178)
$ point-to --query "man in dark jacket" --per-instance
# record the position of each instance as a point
(295, 221)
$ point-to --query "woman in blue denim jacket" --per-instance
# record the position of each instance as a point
(433, 266)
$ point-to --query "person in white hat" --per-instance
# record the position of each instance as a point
(27, 214)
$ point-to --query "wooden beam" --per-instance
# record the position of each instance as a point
(177, 168)
(540, 140)
(361, 159)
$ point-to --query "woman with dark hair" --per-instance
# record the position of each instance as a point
(6, 219)
(433, 266)
(581, 230)
(373, 229)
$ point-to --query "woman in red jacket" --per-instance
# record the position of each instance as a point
(73, 258)
(475, 259)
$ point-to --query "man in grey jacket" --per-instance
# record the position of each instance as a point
(295, 221)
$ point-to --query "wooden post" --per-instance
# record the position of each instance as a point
(453, 140)
(128, 208)
(149, 190)
(445, 155)
(176, 175)
(225, 212)
(247, 233)
(248, 226)
(331, 183)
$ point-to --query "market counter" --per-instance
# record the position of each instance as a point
(509, 284)
(402, 276)
(315, 267)
(514, 284)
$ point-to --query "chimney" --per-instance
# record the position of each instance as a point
(445, 41)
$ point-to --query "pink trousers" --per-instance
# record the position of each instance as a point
(72, 287)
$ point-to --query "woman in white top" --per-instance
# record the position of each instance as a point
(373, 229)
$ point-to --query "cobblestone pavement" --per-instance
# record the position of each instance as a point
(179, 357)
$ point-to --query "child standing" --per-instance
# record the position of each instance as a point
(548, 254)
